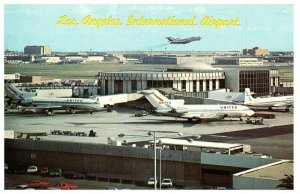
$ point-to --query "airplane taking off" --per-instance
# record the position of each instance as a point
(28, 100)
(198, 112)
(183, 41)
(269, 102)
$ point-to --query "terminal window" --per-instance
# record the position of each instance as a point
(183, 85)
(258, 81)
(118, 86)
(133, 86)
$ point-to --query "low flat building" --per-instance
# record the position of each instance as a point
(264, 177)
(18, 59)
(49, 60)
(237, 61)
(34, 79)
(73, 59)
(176, 59)
(212, 147)
(93, 59)
(11, 78)
(256, 51)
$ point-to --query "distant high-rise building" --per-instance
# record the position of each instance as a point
(37, 50)
(256, 51)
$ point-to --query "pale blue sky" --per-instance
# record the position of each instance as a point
(266, 26)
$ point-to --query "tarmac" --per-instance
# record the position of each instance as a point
(122, 121)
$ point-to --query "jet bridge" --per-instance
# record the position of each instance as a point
(117, 98)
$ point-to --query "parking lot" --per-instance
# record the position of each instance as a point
(12, 180)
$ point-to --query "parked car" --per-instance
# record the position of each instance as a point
(151, 181)
(36, 184)
(32, 169)
(62, 186)
(166, 183)
(141, 114)
(24, 187)
(44, 171)
(56, 172)
(74, 175)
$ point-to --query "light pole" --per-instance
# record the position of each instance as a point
(160, 169)
(153, 133)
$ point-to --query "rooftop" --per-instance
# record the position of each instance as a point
(274, 171)
(202, 144)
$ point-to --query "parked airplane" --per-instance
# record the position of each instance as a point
(183, 41)
(28, 101)
(269, 102)
(198, 112)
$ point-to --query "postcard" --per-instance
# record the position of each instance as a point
(149, 96)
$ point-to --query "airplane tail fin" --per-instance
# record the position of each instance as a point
(157, 100)
(248, 97)
(14, 93)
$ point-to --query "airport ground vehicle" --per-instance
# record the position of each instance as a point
(62, 186)
(32, 169)
(44, 171)
(166, 183)
(56, 172)
(255, 121)
(35, 184)
(141, 114)
(151, 181)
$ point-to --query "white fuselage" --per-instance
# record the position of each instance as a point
(75, 103)
(30, 101)
(210, 111)
(271, 101)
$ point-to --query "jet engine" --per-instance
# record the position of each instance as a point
(26, 101)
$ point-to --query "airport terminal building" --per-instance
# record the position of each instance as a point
(192, 80)
(181, 78)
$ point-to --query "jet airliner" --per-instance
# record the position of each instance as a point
(279, 101)
(183, 41)
(198, 112)
(28, 100)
